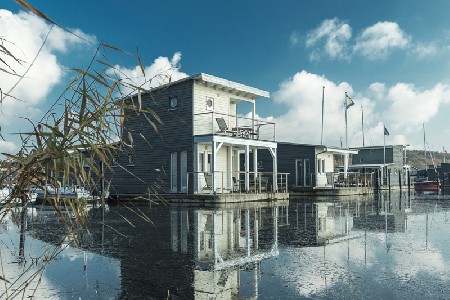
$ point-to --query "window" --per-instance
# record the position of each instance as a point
(115, 161)
(173, 103)
(131, 160)
(183, 170)
(209, 103)
(173, 172)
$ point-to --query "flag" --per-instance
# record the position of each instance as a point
(348, 102)
(445, 151)
(386, 132)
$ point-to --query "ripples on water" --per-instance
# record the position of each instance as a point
(383, 247)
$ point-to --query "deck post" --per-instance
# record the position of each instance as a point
(247, 168)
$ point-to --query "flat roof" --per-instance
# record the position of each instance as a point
(240, 89)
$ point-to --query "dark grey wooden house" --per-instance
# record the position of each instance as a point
(195, 148)
(387, 161)
(309, 166)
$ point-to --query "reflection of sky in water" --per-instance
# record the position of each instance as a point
(64, 277)
(402, 265)
(410, 260)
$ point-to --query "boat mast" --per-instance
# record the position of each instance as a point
(424, 147)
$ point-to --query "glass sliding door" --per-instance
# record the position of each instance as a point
(173, 172)
(183, 171)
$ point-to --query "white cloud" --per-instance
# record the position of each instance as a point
(379, 40)
(402, 107)
(8, 147)
(423, 50)
(293, 39)
(23, 35)
(335, 34)
(410, 106)
(163, 70)
(303, 96)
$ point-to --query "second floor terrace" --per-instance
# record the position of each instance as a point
(213, 123)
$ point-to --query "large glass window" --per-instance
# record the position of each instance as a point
(173, 172)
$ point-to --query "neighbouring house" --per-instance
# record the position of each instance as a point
(387, 162)
(195, 147)
(308, 166)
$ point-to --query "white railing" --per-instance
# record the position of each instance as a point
(261, 183)
(231, 125)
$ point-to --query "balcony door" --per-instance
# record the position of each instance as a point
(302, 172)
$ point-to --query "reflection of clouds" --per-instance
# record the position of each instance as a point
(377, 260)
(65, 273)
(15, 273)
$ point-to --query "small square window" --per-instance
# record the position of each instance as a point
(209, 103)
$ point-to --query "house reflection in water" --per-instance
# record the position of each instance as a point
(385, 214)
(318, 223)
(227, 242)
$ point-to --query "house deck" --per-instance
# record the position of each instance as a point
(202, 198)
(341, 191)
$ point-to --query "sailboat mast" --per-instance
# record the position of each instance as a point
(424, 147)
(323, 109)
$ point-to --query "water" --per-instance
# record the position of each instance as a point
(391, 246)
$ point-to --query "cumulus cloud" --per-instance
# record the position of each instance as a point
(8, 147)
(302, 94)
(163, 70)
(415, 106)
(333, 35)
(23, 35)
(423, 50)
(402, 107)
(378, 41)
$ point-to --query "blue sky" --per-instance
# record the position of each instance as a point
(391, 57)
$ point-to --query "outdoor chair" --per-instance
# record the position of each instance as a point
(236, 185)
(208, 182)
(223, 127)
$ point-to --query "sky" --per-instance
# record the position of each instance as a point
(390, 57)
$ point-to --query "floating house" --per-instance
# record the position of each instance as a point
(311, 168)
(194, 144)
(387, 163)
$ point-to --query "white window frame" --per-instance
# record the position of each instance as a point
(209, 107)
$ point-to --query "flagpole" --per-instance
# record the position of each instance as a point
(443, 151)
(362, 123)
(323, 104)
(345, 106)
(384, 151)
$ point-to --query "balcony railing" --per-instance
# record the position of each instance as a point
(213, 123)
(353, 179)
(261, 183)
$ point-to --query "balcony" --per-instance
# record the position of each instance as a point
(212, 123)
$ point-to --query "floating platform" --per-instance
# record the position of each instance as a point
(341, 191)
(200, 198)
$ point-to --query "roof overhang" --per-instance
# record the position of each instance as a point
(241, 91)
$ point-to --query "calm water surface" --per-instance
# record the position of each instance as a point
(388, 246)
